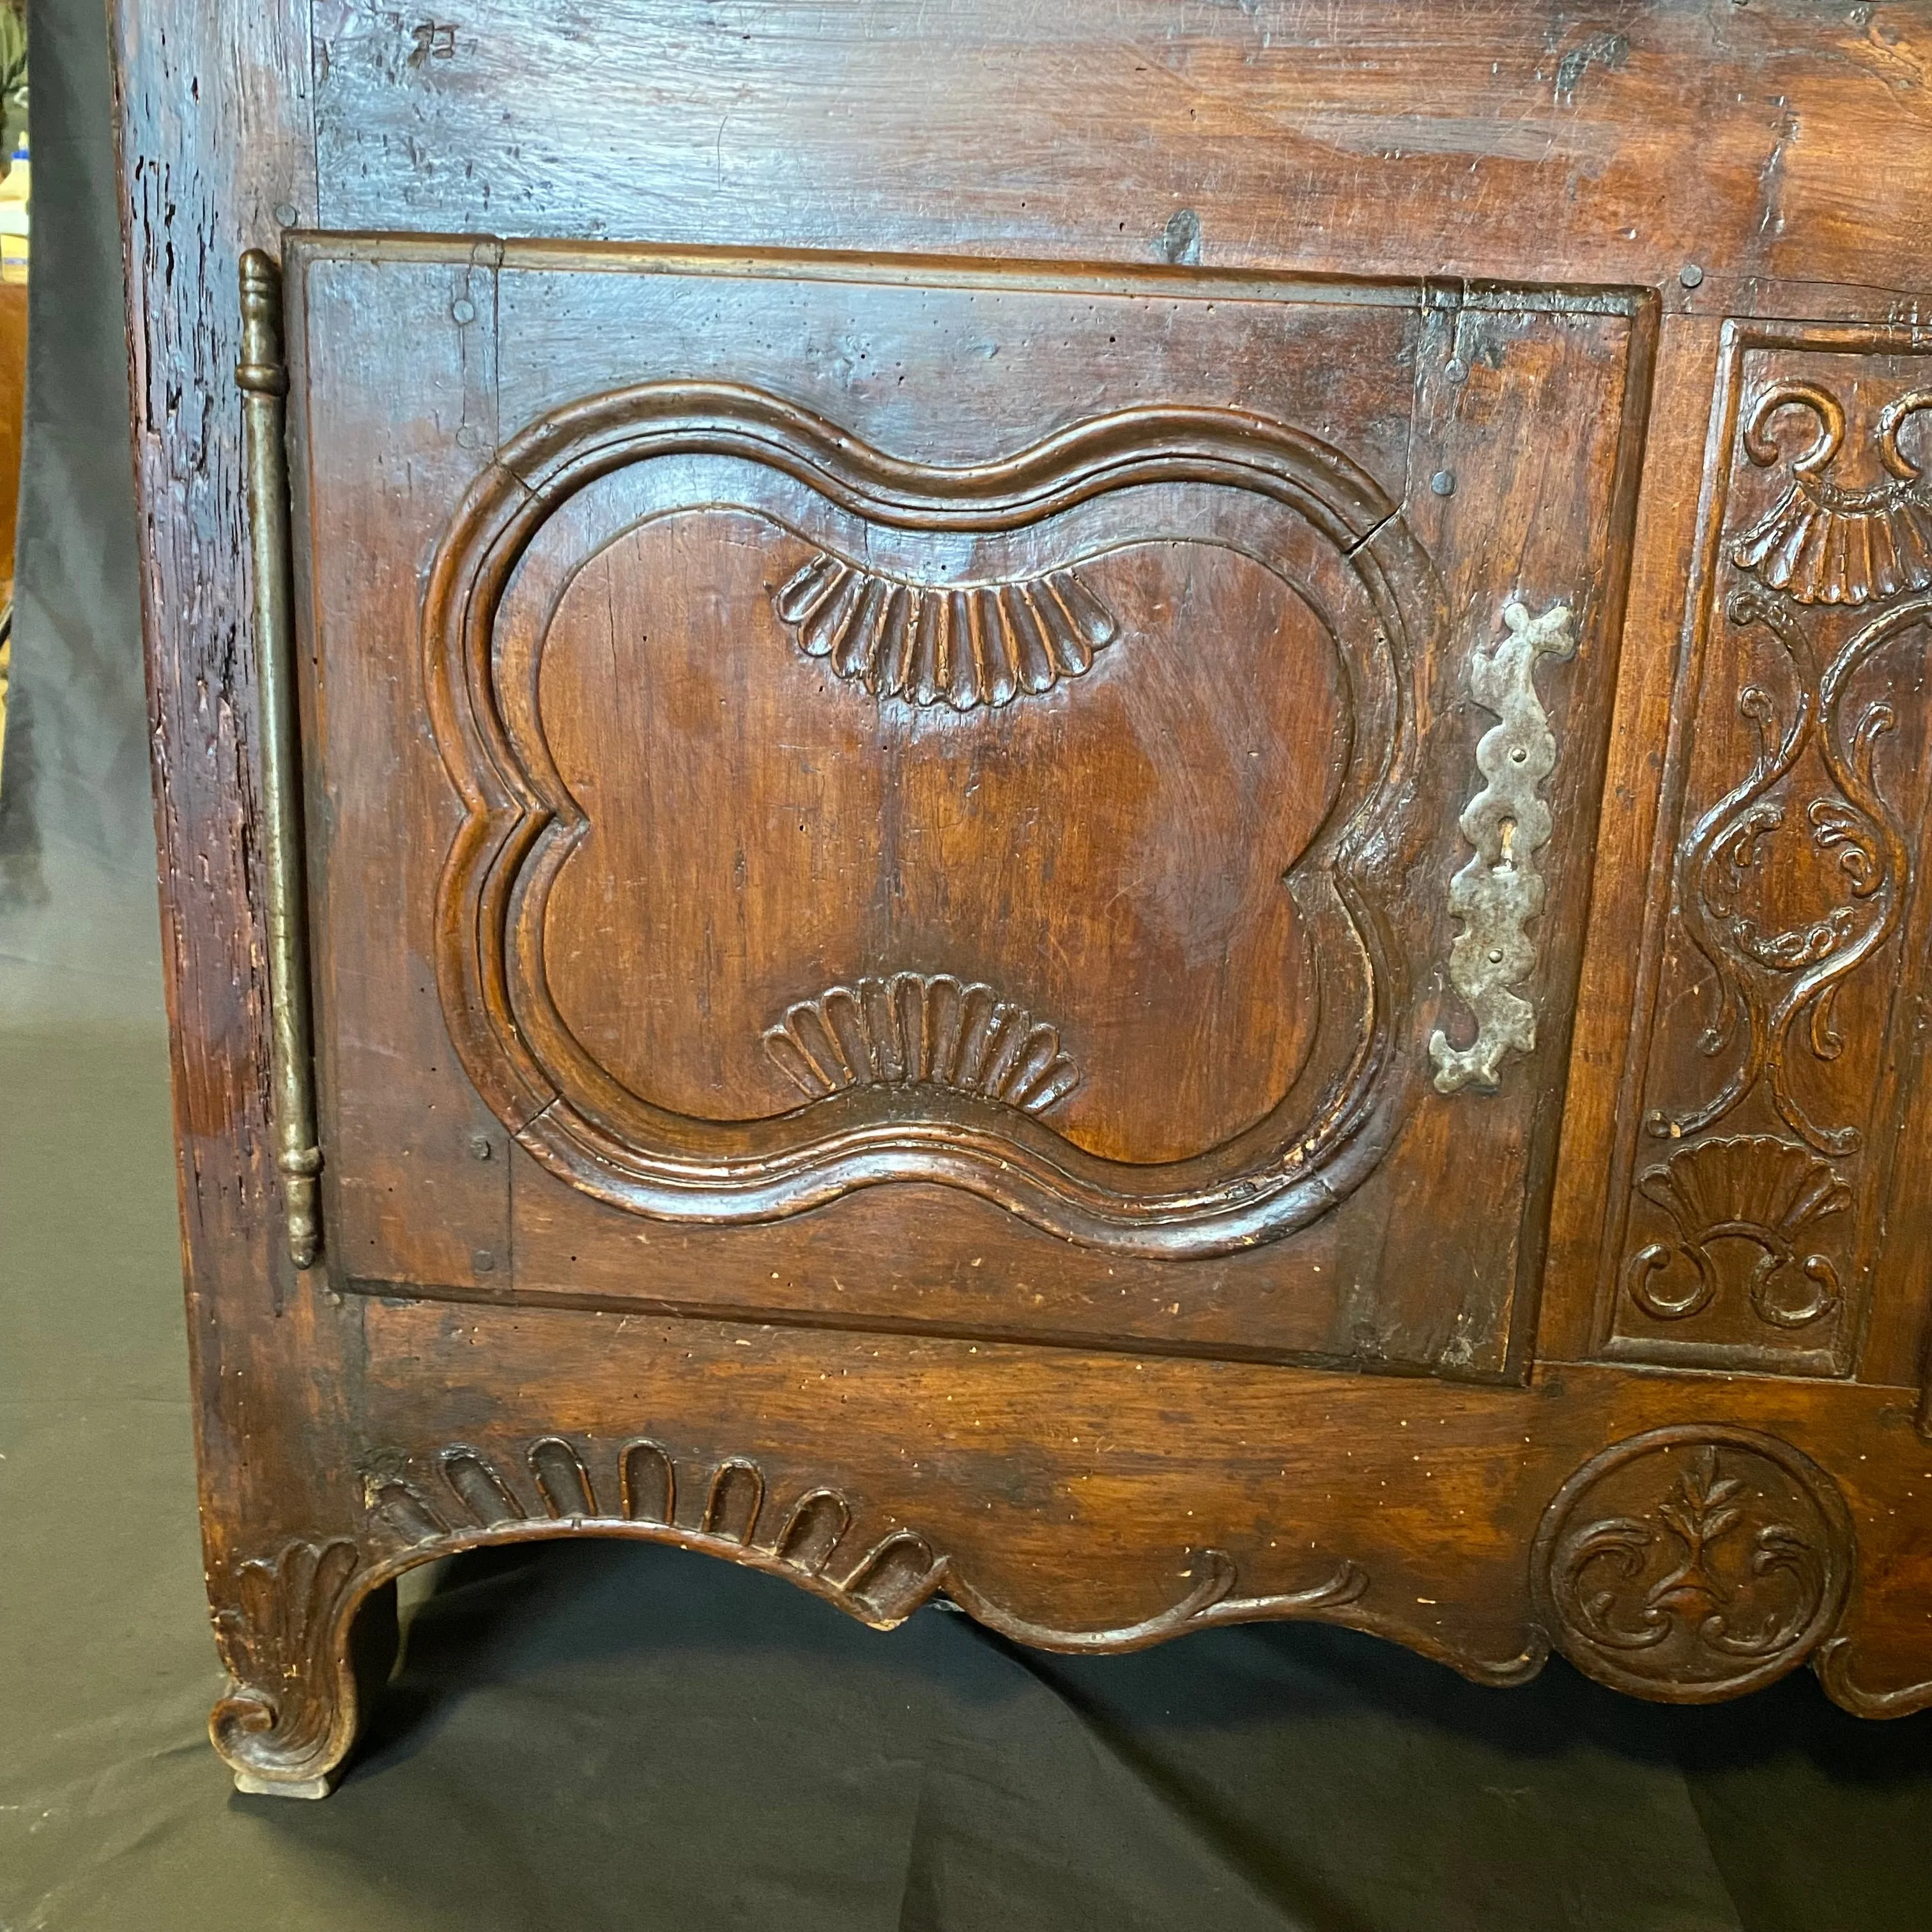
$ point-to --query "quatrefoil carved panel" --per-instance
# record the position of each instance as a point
(1160, 478)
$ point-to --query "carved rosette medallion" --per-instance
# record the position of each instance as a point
(1693, 1563)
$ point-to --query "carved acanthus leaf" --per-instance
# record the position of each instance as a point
(277, 1725)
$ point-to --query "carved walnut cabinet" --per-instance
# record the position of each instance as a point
(1118, 808)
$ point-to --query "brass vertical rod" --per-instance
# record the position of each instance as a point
(263, 379)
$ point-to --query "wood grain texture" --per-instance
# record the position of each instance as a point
(1460, 140)
(1617, 309)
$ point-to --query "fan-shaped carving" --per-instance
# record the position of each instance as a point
(1754, 1189)
(1307, 512)
(966, 645)
(1821, 543)
(1820, 553)
(1754, 1182)
(882, 1583)
(915, 1028)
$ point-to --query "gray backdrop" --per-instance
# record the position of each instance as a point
(610, 1736)
(78, 927)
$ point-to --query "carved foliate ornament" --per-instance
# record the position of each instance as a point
(1693, 1563)
(278, 1724)
(1792, 874)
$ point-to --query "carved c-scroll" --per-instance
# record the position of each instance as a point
(1822, 543)
(1754, 1189)
(1291, 495)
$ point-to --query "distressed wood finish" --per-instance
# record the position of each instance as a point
(1118, 812)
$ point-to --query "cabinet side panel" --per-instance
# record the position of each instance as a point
(215, 152)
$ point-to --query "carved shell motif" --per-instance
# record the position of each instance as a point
(1753, 1182)
(1820, 543)
(1767, 1193)
(916, 1028)
(966, 645)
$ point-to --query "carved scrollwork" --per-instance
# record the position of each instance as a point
(1767, 981)
(1693, 1563)
(964, 645)
(1764, 1191)
(1211, 1600)
(724, 1510)
(916, 1029)
(1790, 888)
(1499, 891)
(1834, 1664)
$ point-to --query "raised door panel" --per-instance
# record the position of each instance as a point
(1045, 805)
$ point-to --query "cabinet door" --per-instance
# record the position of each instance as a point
(998, 800)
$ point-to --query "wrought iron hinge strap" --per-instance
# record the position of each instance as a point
(263, 378)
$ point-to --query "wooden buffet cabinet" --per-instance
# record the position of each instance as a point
(1116, 809)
